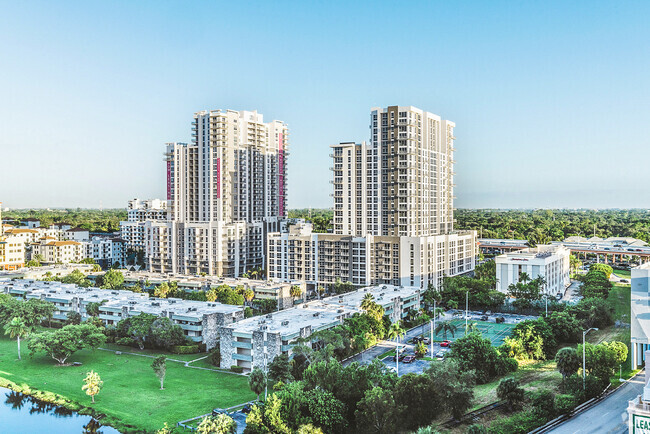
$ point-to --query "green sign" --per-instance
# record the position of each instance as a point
(640, 424)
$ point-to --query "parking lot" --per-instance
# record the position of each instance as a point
(417, 366)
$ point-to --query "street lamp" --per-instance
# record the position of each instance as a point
(584, 375)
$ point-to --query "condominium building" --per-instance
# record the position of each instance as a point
(12, 252)
(199, 320)
(549, 261)
(255, 342)
(393, 210)
(106, 251)
(144, 219)
(226, 190)
(62, 252)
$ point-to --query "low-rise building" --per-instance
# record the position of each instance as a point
(640, 314)
(254, 342)
(106, 251)
(55, 252)
(199, 320)
(12, 252)
(320, 259)
(549, 261)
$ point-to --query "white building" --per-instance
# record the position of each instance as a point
(549, 261)
(255, 342)
(106, 251)
(640, 314)
(225, 191)
(393, 210)
(142, 216)
(58, 252)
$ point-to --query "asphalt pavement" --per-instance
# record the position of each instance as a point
(608, 416)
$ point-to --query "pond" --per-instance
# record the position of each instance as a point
(20, 413)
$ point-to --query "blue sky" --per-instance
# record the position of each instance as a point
(551, 99)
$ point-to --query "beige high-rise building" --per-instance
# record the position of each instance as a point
(393, 210)
(226, 190)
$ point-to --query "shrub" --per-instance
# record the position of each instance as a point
(184, 349)
(477, 428)
(519, 423)
(214, 357)
(544, 404)
(565, 403)
(510, 391)
(203, 348)
(127, 342)
(237, 369)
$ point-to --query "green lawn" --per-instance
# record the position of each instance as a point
(624, 274)
(131, 396)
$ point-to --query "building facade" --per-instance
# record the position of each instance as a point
(58, 252)
(393, 210)
(549, 261)
(226, 190)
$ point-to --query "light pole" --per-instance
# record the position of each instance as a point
(584, 374)
(433, 326)
(466, 309)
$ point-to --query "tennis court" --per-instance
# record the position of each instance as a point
(496, 333)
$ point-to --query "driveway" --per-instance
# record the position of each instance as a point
(608, 416)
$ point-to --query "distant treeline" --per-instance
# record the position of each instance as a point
(94, 220)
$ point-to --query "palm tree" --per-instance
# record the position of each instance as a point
(249, 295)
(444, 327)
(16, 328)
(367, 302)
(295, 292)
(524, 277)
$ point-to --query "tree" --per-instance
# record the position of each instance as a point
(325, 410)
(16, 328)
(419, 398)
(396, 331)
(219, 424)
(454, 386)
(295, 291)
(60, 344)
(509, 391)
(211, 295)
(564, 326)
(474, 352)
(112, 279)
(137, 327)
(92, 308)
(603, 268)
(33, 311)
(162, 290)
(159, 366)
(164, 333)
(568, 362)
(444, 327)
(73, 318)
(420, 349)
(593, 312)
(280, 369)
(267, 418)
(257, 382)
(377, 412)
(92, 384)
(249, 295)
(536, 338)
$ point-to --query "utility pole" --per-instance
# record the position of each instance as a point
(466, 309)
(433, 325)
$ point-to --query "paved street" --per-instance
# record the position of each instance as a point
(608, 416)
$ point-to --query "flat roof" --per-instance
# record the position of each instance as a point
(383, 294)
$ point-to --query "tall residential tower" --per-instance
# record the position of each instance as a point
(393, 210)
(225, 191)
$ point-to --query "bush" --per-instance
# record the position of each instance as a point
(203, 348)
(500, 319)
(544, 404)
(477, 428)
(214, 357)
(237, 369)
(565, 403)
(184, 349)
(127, 342)
(519, 423)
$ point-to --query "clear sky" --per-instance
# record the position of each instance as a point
(551, 99)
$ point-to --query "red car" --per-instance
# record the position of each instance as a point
(408, 359)
(445, 344)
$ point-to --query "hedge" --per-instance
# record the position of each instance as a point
(237, 369)
(184, 349)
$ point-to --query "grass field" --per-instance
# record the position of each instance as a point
(131, 396)
(624, 274)
(492, 331)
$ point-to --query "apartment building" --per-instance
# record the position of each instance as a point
(255, 342)
(199, 320)
(142, 217)
(393, 210)
(12, 252)
(54, 252)
(549, 261)
(263, 289)
(106, 251)
(225, 191)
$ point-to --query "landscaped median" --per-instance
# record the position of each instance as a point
(130, 398)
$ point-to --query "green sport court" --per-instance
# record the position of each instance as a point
(496, 333)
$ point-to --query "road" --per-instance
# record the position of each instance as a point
(608, 416)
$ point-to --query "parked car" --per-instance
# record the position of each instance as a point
(246, 409)
(426, 341)
(440, 354)
(625, 281)
(401, 357)
(408, 359)
(485, 318)
(445, 344)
